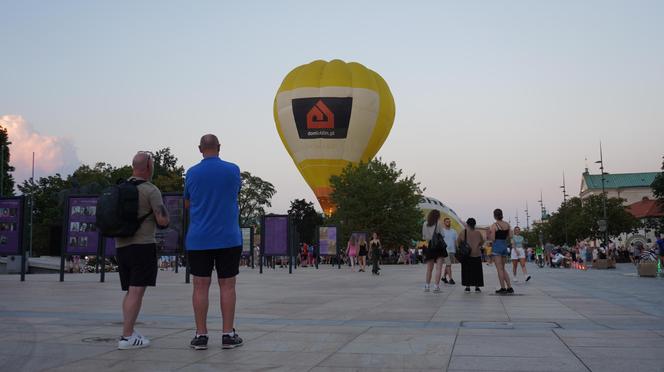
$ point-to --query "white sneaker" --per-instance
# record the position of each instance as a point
(426, 288)
(436, 289)
(135, 341)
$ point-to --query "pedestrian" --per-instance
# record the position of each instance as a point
(213, 239)
(432, 256)
(351, 251)
(450, 236)
(471, 267)
(660, 245)
(376, 249)
(518, 254)
(137, 254)
(500, 232)
(548, 251)
(363, 253)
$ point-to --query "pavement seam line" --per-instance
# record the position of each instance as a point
(570, 350)
(449, 360)
(339, 348)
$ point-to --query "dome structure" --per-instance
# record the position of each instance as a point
(428, 204)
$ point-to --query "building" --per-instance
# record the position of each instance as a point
(644, 210)
(632, 187)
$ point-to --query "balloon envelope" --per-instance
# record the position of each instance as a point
(329, 115)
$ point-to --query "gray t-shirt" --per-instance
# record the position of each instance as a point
(149, 199)
(450, 236)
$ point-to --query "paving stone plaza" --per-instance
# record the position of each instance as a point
(338, 320)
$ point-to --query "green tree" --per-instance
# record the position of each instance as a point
(658, 186)
(255, 195)
(375, 196)
(49, 196)
(168, 175)
(305, 218)
(7, 185)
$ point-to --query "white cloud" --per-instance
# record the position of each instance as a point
(52, 154)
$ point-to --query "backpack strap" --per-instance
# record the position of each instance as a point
(137, 182)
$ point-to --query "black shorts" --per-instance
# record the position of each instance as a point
(225, 260)
(137, 264)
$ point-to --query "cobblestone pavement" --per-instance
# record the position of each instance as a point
(338, 320)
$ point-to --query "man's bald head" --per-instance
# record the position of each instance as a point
(209, 145)
(142, 165)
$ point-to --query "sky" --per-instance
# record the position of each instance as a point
(494, 100)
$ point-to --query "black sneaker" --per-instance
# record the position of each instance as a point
(444, 279)
(467, 289)
(501, 291)
(199, 342)
(509, 290)
(231, 342)
(477, 289)
(451, 282)
(528, 278)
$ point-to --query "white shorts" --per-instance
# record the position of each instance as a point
(518, 253)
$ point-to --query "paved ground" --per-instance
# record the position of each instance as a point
(336, 320)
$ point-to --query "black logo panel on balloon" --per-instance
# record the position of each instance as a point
(322, 117)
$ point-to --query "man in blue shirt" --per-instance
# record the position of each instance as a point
(213, 237)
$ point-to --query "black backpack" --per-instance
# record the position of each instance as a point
(117, 210)
(437, 242)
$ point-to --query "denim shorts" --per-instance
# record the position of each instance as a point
(499, 248)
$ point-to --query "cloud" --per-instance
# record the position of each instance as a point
(52, 154)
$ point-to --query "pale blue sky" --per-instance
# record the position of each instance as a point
(494, 99)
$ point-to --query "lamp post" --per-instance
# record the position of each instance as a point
(527, 217)
(604, 223)
(2, 167)
(563, 187)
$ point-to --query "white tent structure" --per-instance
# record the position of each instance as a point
(428, 204)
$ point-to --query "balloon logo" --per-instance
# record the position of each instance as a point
(329, 115)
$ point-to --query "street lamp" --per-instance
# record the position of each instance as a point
(604, 224)
(563, 187)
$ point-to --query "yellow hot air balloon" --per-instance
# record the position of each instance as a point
(329, 115)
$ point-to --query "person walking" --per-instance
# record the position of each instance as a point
(499, 233)
(351, 251)
(432, 257)
(450, 236)
(137, 254)
(213, 239)
(518, 254)
(471, 267)
(376, 249)
(362, 254)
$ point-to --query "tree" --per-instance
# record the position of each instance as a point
(305, 218)
(375, 196)
(7, 185)
(168, 175)
(581, 216)
(255, 195)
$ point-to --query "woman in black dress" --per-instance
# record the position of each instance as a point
(471, 267)
(362, 255)
(375, 253)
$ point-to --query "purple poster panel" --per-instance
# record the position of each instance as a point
(276, 236)
(82, 235)
(327, 240)
(10, 226)
(168, 240)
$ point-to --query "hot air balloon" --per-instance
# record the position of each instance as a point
(329, 115)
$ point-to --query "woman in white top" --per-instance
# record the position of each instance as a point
(518, 253)
(431, 257)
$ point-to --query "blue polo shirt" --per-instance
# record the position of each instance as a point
(212, 188)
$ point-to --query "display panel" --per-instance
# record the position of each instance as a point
(275, 230)
(82, 234)
(11, 223)
(246, 241)
(327, 240)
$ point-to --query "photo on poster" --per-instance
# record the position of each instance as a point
(76, 211)
(4, 212)
(74, 227)
(73, 242)
(82, 241)
(3, 240)
(90, 211)
(12, 212)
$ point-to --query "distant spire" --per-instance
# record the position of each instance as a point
(586, 172)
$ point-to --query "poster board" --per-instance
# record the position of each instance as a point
(274, 234)
(169, 240)
(327, 240)
(11, 226)
(247, 240)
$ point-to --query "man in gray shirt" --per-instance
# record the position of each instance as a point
(137, 254)
(450, 236)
